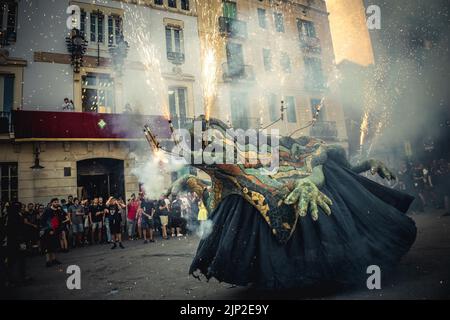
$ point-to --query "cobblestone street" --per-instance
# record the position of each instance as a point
(159, 271)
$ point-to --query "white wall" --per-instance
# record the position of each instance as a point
(42, 27)
(136, 90)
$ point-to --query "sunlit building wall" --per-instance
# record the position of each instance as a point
(351, 38)
(267, 52)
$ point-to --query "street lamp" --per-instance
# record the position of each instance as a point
(118, 53)
(36, 165)
(76, 45)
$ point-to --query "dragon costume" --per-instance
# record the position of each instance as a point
(261, 232)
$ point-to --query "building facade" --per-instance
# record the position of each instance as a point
(271, 51)
(356, 63)
(124, 63)
(157, 74)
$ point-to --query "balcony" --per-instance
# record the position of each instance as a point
(232, 72)
(246, 123)
(310, 44)
(233, 28)
(326, 130)
(85, 126)
(175, 57)
(182, 122)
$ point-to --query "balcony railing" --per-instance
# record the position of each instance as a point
(182, 122)
(175, 57)
(5, 123)
(232, 71)
(233, 27)
(246, 123)
(310, 44)
(326, 130)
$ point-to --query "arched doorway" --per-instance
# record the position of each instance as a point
(100, 177)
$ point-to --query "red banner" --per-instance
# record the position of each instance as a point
(43, 125)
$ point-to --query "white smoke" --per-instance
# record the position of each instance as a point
(205, 229)
(153, 173)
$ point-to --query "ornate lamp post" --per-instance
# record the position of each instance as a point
(118, 53)
(76, 45)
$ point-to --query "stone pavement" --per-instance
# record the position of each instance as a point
(159, 271)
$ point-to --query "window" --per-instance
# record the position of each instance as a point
(274, 110)
(235, 59)
(262, 18)
(279, 22)
(8, 22)
(267, 58)
(307, 36)
(314, 104)
(306, 28)
(285, 62)
(314, 75)
(178, 105)
(175, 44)
(229, 9)
(114, 29)
(159, 2)
(83, 22)
(67, 171)
(6, 92)
(9, 181)
(97, 93)
(97, 27)
(239, 110)
(172, 3)
(101, 28)
(290, 109)
(185, 5)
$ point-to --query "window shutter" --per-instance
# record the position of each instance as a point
(169, 39)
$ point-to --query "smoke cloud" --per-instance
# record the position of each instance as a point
(406, 91)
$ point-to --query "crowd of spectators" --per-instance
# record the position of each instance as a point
(428, 182)
(66, 224)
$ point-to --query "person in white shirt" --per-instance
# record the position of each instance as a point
(68, 105)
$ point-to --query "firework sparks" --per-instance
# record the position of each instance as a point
(364, 128)
(148, 55)
(209, 79)
(212, 40)
(377, 107)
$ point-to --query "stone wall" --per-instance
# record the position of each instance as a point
(41, 185)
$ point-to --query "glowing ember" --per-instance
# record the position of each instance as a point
(209, 14)
(148, 55)
(364, 128)
(209, 79)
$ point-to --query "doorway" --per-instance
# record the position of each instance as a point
(100, 177)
